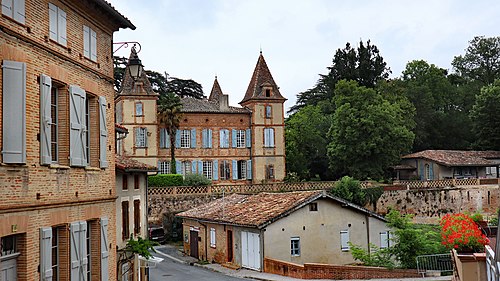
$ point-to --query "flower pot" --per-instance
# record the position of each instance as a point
(470, 266)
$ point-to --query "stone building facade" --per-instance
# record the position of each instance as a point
(57, 166)
(230, 145)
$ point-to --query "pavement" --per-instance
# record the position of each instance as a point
(176, 254)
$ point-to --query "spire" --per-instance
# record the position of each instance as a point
(140, 86)
(216, 92)
(262, 85)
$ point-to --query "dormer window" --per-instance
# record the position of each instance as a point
(268, 93)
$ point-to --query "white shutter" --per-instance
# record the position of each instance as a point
(209, 138)
(344, 239)
(7, 8)
(235, 170)
(384, 239)
(103, 137)
(45, 120)
(78, 127)
(75, 254)
(104, 250)
(53, 22)
(61, 27)
(14, 110)
(86, 42)
(271, 137)
(19, 13)
(46, 254)
(93, 45)
(84, 262)
(249, 169)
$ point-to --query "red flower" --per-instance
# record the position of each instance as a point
(460, 232)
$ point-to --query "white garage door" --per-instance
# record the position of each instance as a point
(250, 250)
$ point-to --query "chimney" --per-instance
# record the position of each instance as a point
(224, 103)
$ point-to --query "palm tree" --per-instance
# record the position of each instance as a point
(169, 115)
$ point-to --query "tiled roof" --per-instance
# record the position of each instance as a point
(457, 157)
(124, 22)
(216, 92)
(120, 128)
(204, 105)
(259, 210)
(261, 77)
(122, 162)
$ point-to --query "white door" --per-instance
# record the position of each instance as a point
(8, 270)
(250, 250)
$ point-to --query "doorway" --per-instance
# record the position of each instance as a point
(230, 246)
(193, 243)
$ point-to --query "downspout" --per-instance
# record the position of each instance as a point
(368, 232)
(252, 139)
(206, 230)
(262, 231)
(147, 223)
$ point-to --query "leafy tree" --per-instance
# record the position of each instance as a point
(363, 64)
(485, 118)
(305, 134)
(349, 189)
(169, 115)
(368, 132)
(119, 64)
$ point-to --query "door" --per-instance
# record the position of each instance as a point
(250, 250)
(193, 243)
(230, 246)
(8, 270)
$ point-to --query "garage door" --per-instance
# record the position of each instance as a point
(250, 250)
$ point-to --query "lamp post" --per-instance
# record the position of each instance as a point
(134, 65)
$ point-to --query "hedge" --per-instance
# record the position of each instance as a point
(161, 180)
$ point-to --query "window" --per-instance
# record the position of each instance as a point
(186, 168)
(53, 124)
(295, 246)
(125, 221)
(9, 254)
(141, 137)
(57, 24)
(268, 137)
(206, 138)
(268, 93)
(185, 138)
(225, 170)
(89, 43)
(344, 240)
(164, 167)
(224, 138)
(212, 237)
(138, 109)
(9, 245)
(269, 112)
(385, 239)
(124, 182)
(240, 139)
(55, 253)
(242, 169)
(269, 172)
(313, 207)
(490, 170)
(88, 243)
(137, 217)
(136, 182)
(427, 172)
(14, 9)
(207, 169)
(90, 131)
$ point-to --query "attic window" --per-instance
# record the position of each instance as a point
(268, 93)
(313, 207)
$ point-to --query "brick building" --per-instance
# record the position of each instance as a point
(57, 166)
(230, 145)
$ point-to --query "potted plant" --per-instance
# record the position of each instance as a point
(462, 235)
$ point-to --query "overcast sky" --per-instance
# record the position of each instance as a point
(199, 39)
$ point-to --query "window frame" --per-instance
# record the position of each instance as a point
(164, 167)
(54, 124)
(141, 137)
(270, 172)
(240, 139)
(125, 220)
(242, 169)
(313, 206)
(139, 105)
(224, 170)
(268, 111)
(295, 246)
(186, 168)
(269, 138)
(344, 247)
(207, 169)
(213, 238)
(185, 138)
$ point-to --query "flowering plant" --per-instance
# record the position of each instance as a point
(460, 232)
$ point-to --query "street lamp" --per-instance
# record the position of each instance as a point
(135, 65)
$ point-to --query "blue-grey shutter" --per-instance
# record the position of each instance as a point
(344, 240)
(384, 239)
(178, 167)
(221, 138)
(167, 138)
(159, 166)
(14, 112)
(78, 128)
(249, 169)
(421, 171)
(209, 138)
(226, 138)
(271, 135)
(86, 41)
(200, 167)
(162, 138)
(104, 249)
(93, 45)
(193, 138)
(19, 11)
(204, 138)
(53, 20)
(46, 254)
(145, 137)
(178, 139)
(431, 171)
(215, 174)
(83, 249)
(248, 137)
(193, 166)
(7, 8)
(61, 27)
(45, 120)
(235, 170)
(233, 137)
(75, 253)
(103, 135)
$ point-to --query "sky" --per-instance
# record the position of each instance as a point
(201, 39)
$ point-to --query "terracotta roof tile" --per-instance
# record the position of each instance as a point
(120, 128)
(458, 157)
(204, 105)
(122, 162)
(216, 92)
(124, 21)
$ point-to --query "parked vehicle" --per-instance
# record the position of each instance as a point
(157, 234)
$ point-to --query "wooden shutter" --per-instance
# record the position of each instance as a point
(271, 137)
(103, 135)
(200, 167)
(249, 169)
(167, 138)
(193, 138)
(125, 220)
(384, 239)
(235, 170)
(137, 217)
(86, 41)
(162, 138)
(53, 20)
(209, 138)
(233, 137)
(178, 167)
(215, 168)
(221, 138)
(7, 8)
(193, 166)
(104, 250)
(61, 27)
(344, 239)
(93, 45)
(84, 262)
(204, 138)
(75, 251)
(19, 12)
(78, 128)
(248, 137)
(178, 139)
(14, 110)
(46, 254)
(45, 120)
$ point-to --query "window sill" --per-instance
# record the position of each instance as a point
(57, 166)
(92, 169)
(140, 147)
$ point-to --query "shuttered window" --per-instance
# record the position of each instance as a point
(57, 24)
(207, 169)
(141, 137)
(138, 109)
(268, 137)
(89, 43)
(125, 220)
(78, 127)
(212, 237)
(269, 112)
(384, 239)
(124, 182)
(164, 167)
(269, 172)
(14, 9)
(206, 138)
(136, 182)
(137, 217)
(344, 240)
(104, 249)
(103, 133)
(224, 138)
(225, 170)
(185, 138)
(186, 168)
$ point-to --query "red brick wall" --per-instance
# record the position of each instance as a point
(337, 272)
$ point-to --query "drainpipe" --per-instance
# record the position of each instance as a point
(252, 139)
(368, 232)
(206, 230)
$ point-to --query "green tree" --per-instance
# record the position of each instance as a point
(349, 189)
(169, 115)
(485, 118)
(305, 134)
(368, 132)
(119, 64)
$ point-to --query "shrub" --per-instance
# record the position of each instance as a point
(376, 257)
(349, 189)
(460, 232)
(196, 180)
(162, 180)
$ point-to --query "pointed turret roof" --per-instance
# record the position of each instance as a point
(216, 92)
(262, 78)
(131, 87)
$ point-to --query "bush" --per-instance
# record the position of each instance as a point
(349, 189)
(196, 180)
(162, 180)
(376, 257)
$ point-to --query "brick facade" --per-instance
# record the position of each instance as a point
(37, 195)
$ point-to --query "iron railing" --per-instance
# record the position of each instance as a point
(434, 263)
